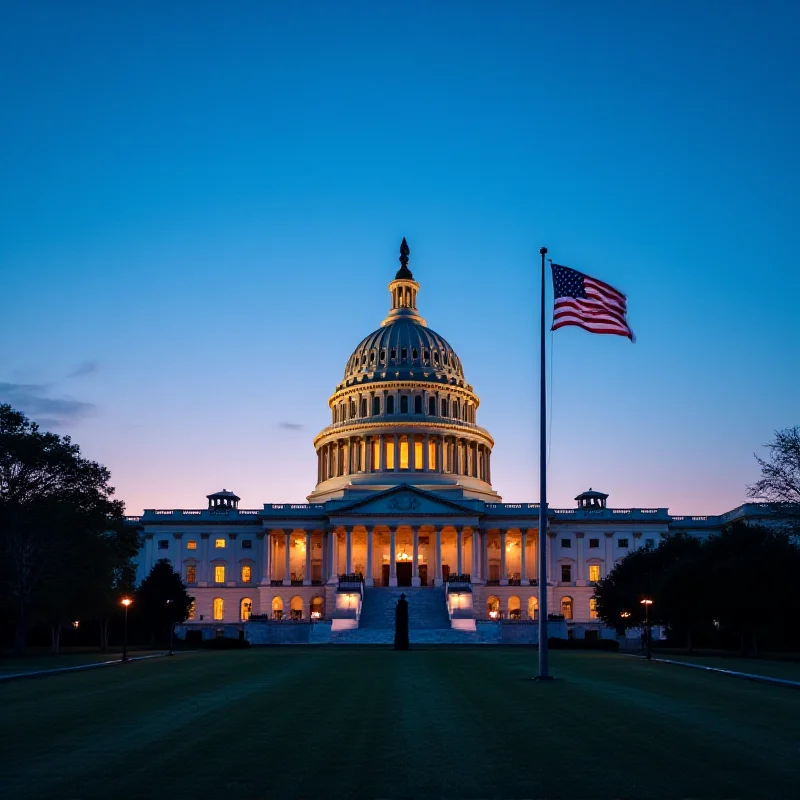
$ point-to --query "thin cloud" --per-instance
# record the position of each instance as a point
(291, 426)
(34, 399)
(84, 369)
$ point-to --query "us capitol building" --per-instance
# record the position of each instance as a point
(403, 501)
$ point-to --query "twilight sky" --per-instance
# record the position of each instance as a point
(201, 205)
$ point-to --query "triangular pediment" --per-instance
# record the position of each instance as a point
(405, 500)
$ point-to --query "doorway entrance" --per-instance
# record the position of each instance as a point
(404, 573)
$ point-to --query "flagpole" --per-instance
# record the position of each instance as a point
(543, 672)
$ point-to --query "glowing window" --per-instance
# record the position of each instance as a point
(219, 608)
(594, 572)
(191, 573)
(219, 544)
(389, 455)
(404, 453)
(277, 608)
(418, 455)
(376, 454)
(592, 608)
(432, 454)
(191, 545)
(566, 607)
(514, 610)
(245, 608)
(533, 607)
(246, 573)
(219, 574)
(192, 608)
(493, 607)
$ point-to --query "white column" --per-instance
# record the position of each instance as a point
(580, 576)
(370, 581)
(439, 451)
(426, 454)
(551, 567)
(393, 554)
(348, 532)
(535, 557)
(459, 546)
(307, 571)
(503, 573)
(523, 557)
(412, 452)
(437, 581)
(368, 454)
(267, 574)
(382, 439)
(485, 555)
(415, 581)
(396, 465)
(287, 575)
(609, 553)
(476, 555)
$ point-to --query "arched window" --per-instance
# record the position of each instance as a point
(418, 404)
(514, 608)
(533, 607)
(444, 408)
(431, 406)
(376, 406)
(363, 406)
(593, 608)
(219, 608)
(296, 607)
(435, 357)
(404, 404)
(493, 607)
(566, 607)
(464, 412)
(414, 353)
(383, 355)
(390, 404)
(403, 353)
(352, 409)
(245, 608)
(317, 607)
(277, 608)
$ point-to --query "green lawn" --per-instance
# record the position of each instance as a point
(348, 722)
(787, 670)
(42, 659)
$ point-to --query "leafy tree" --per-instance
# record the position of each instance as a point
(62, 534)
(618, 595)
(162, 600)
(779, 483)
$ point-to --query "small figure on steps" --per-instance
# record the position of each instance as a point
(401, 624)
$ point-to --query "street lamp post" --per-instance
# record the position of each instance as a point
(126, 601)
(647, 602)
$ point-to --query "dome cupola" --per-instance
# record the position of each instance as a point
(403, 412)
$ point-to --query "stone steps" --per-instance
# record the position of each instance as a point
(427, 609)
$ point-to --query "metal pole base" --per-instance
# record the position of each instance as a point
(544, 678)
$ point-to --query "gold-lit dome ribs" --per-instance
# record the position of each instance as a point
(403, 412)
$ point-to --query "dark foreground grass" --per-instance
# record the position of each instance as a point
(341, 722)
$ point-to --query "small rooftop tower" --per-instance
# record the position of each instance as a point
(592, 499)
(223, 501)
(404, 291)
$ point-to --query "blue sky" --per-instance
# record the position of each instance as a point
(201, 206)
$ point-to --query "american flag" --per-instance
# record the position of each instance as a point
(588, 303)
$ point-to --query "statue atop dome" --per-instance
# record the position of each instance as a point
(404, 273)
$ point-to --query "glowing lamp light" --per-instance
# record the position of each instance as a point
(625, 614)
(403, 556)
(646, 602)
(494, 614)
(126, 601)
(76, 624)
(315, 615)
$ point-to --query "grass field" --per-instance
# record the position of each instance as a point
(347, 722)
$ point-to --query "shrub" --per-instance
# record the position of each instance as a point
(225, 643)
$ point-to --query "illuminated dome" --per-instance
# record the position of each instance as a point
(403, 412)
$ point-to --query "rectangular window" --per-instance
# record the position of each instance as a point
(649, 542)
(246, 574)
(191, 573)
(389, 455)
(219, 574)
(247, 544)
(418, 455)
(219, 543)
(404, 454)
(566, 543)
(163, 544)
(566, 573)
(622, 543)
(592, 609)
(594, 543)
(191, 545)
(594, 572)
